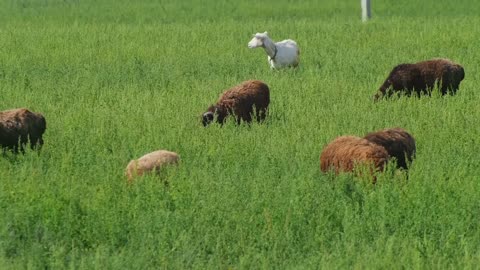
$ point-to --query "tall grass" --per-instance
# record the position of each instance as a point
(118, 79)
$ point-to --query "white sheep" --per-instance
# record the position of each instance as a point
(281, 54)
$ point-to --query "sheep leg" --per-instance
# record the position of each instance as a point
(261, 114)
(246, 117)
(35, 141)
(446, 84)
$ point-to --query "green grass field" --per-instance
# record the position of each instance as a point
(118, 79)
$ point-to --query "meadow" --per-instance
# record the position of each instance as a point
(118, 79)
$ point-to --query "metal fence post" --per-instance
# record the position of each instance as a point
(366, 11)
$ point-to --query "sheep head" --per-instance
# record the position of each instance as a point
(257, 40)
(207, 118)
(377, 96)
(214, 111)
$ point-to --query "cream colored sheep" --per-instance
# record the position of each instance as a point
(152, 162)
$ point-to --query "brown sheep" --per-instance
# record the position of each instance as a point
(422, 77)
(19, 126)
(240, 102)
(346, 152)
(154, 161)
(398, 143)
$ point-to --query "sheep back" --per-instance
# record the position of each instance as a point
(150, 162)
(398, 142)
(422, 77)
(19, 126)
(346, 152)
(250, 98)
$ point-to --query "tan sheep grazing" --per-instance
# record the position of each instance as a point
(250, 98)
(152, 162)
(398, 143)
(20, 126)
(346, 152)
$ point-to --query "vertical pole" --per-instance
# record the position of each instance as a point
(366, 12)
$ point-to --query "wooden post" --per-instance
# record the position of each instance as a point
(366, 11)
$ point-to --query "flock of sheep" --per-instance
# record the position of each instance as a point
(250, 100)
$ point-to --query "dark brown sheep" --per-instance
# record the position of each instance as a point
(240, 102)
(422, 77)
(398, 143)
(19, 126)
(346, 152)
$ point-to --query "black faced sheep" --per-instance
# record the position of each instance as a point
(398, 143)
(154, 161)
(19, 126)
(422, 77)
(250, 98)
(346, 152)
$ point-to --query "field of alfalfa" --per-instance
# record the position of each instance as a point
(118, 79)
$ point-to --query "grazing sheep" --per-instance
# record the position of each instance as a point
(19, 126)
(154, 161)
(422, 77)
(280, 54)
(398, 143)
(346, 152)
(240, 102)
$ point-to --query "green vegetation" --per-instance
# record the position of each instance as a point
(118, 79)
